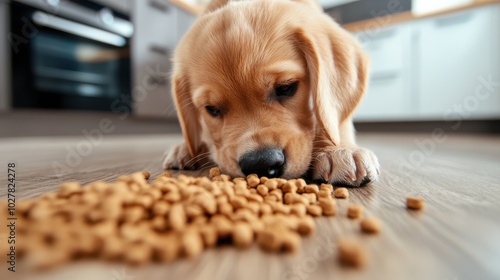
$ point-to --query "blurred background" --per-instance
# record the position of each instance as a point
(66, 64)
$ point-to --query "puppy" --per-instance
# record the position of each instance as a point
(269, 87)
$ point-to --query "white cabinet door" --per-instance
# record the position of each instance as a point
(152, 45)
(184, 21)
(457, 53)
(388, 96)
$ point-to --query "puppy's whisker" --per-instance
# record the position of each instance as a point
(197, 158)
(209, 163)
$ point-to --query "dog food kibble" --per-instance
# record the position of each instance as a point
(415, 203)
(242, 234)
(314, 210)
(327, 187)
(140, 221)
(354, 211)
(253, 180)
(262, 190)
(328, 207)
(214, 172)
(341, 193)
(370, 225)
(351, 253)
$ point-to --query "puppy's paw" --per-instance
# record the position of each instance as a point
(353, 166)
(177, 158)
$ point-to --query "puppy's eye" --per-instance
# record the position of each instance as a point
(213, 111)
(286, 90)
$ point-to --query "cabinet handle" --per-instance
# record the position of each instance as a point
(155, 4)
(453, 20)
(157, 80)
(159, 50)
(384, 76)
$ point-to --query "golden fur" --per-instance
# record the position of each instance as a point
(236, 54)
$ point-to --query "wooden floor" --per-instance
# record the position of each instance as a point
(456, 237)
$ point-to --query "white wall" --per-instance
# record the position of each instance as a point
(4, 58)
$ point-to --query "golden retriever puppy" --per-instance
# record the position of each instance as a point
(269, 87)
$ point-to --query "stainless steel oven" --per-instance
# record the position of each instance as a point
(69, 54)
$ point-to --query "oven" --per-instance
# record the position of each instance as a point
(69, 54)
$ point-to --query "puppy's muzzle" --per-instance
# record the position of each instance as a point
(269, 162)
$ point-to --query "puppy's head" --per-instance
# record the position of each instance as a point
(261, 82)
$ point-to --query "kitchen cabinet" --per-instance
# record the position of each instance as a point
(438, 68)
(457, 53)
(390, 74)
(159, 25)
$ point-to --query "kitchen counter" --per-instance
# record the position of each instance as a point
(391, 19)
(364, 24)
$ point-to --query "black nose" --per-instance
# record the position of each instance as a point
(269, 162)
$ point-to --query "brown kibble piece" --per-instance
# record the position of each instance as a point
(146, 175)
(113, 248)
(292, 197)
(306, 225)
(289, 187)
(311, 188)
(225, 208)
(324, 193)
(370, 225)
(166, 175)
(271, 184)
(277, 238)
(314, 210)
(291, 242)
(69, 188)
(354, 211)
(238, 202)
(159, 223)
(328, 207)
(242, 235)
(161, 208)
(134, 214)
(177, 217)
(328, 187)
(214, 172)
(351, 253)
(138, 253)
(166, 248)
(415, 203)
(341, 193)
(209, 235)
(262, 190)
(299, 209)
(310, 198)
(192, 243)
(253, 180)
(223, 225)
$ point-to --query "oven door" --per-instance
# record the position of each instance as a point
(66, 64)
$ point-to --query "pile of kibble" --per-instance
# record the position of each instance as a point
(137, 221)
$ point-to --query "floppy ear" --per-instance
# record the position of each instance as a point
(187, 113)
(338, 75)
